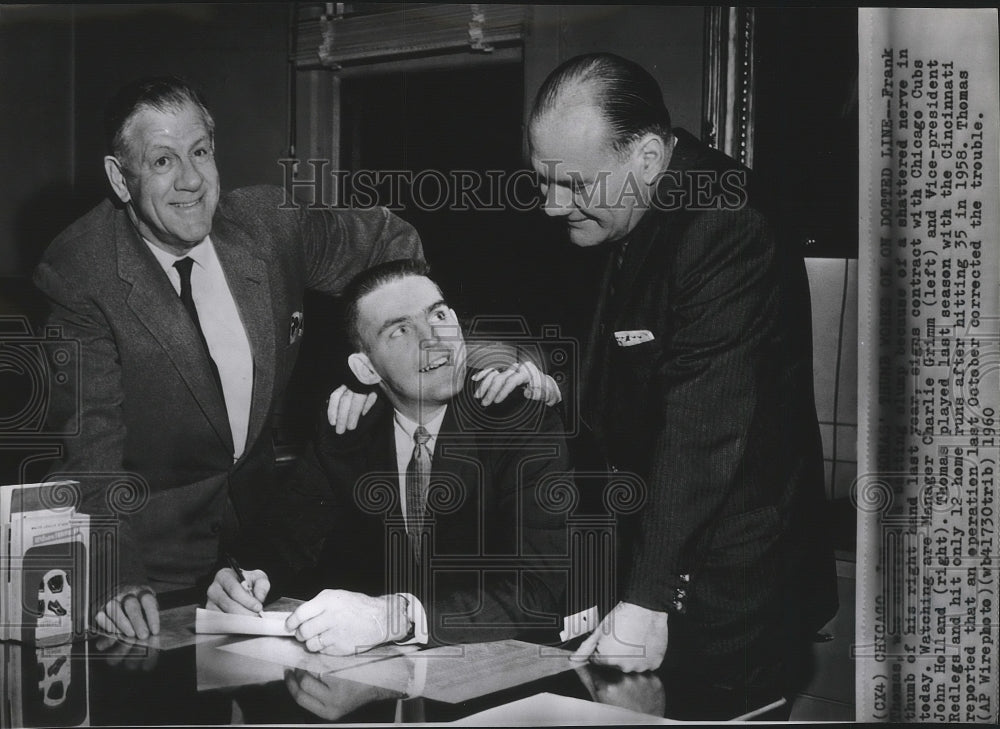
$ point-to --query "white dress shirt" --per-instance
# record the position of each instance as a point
(223, 329)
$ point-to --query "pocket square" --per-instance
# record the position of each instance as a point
(295, 327)
(632, 337)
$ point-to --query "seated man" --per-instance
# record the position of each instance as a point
(429, 476)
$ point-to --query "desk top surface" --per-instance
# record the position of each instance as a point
(104, 682)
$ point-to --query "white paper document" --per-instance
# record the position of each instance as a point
(269, 623)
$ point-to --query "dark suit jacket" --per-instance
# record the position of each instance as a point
(715, 413)
(154, 443)
(497, 563)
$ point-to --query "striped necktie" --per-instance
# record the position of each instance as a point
(418, 476)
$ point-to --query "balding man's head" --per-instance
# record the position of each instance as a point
(627, 97)
(599, 138)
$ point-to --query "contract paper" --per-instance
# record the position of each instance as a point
(268, 623)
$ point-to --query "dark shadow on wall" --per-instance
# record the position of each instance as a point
(46, 214)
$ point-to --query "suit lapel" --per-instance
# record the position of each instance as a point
(379, 449)
(651, 228)
(457, 457)
(155, 303)
(250, 285)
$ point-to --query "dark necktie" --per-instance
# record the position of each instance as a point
(418, 476)
(183, 267)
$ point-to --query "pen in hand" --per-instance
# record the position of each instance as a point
(235, 566)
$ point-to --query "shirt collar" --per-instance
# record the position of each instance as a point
(432, 426)
(202, 254)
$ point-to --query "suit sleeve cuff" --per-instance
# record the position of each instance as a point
(417, 617)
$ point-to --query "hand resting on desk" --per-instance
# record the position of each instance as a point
(341, 623)
(630, 638)
(133, 612)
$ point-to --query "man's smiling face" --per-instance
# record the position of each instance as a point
(414, 344)
(171, 178)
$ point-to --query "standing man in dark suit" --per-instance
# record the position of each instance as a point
(697, 378)
(358, 519)
(187, 306)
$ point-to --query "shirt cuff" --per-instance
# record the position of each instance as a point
(417, 616)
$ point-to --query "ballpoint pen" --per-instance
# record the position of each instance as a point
(242, 578)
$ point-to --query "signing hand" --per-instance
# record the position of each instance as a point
(345, 408)
(630, 638)
(133, 612)
(495, 385)
(228, 595)
(342, 623)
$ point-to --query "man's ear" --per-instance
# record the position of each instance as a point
(116, 176)
(363, 369)
(654, 156)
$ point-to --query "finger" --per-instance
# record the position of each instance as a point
(344, 411)
(306, 611)
(314, 643)
(586, 649)
(369, 401)
(508, 387)
(487, 376)
(106, 624)
(133, 611)
(261, 585)
(311, 703)
(482, 373)
(292, 683)
(511, 374)
(355, 402)
(235, 597)
(553, 394)
(151, 609)
(121, 623)
(333, 404)
(116, 654)
(309, 684)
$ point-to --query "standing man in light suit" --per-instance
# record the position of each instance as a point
(187, 304)
(697, 377)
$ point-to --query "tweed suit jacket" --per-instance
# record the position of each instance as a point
(154, 445)
(495, 567)
(698, 380)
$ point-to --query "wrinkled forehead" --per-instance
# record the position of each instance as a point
(401, 298)
(180, 120)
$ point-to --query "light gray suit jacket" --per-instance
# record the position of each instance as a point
(154, 445)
